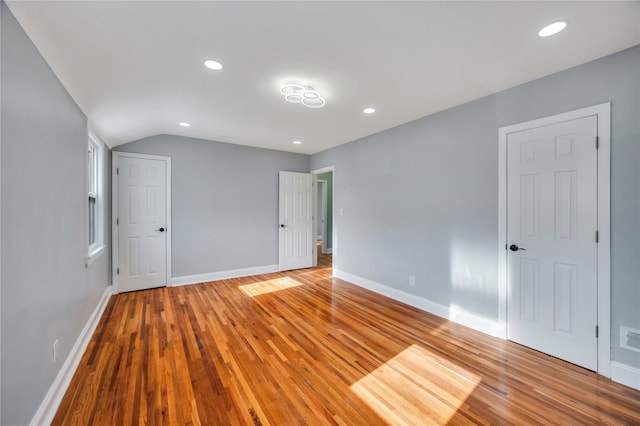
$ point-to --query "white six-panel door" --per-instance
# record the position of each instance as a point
(296, 221)
(551, 234)
(142, 223)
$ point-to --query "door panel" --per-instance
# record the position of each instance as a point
(296, 221)
(552, 217)
(142, 212)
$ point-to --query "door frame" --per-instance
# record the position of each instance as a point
(116, 155)
(322, 187)
(334, 240)
(603, 114)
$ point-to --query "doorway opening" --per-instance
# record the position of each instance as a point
(323, 215)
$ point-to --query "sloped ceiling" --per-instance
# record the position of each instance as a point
(136, 68)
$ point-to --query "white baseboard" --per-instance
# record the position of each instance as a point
(627, 375)
(223, 275)
(451, 313)
(51, 402)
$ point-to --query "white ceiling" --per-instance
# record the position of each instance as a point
(136, 68)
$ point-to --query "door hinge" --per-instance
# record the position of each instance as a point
(117, 170)
(117, 221)
(118, 271)
(597, 237)
(597, 142)
(597, 331)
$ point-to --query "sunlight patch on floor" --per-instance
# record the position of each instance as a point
(268, 286)
(416, 387)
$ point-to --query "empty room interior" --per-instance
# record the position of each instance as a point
(349, 213)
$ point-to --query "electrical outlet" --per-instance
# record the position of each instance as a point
(54, 351)
(412, 280)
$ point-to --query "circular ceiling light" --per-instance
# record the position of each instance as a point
(311, 94)
(552, 29)
(184, 124)
(213, 65)
(307, 96)
(291, 88)
(293, 98)
(313, 103)
(369, 110)
(297, 142)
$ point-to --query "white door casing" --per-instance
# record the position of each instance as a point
(142, 228)
(296, 240)
(556, 188)
(321, 187)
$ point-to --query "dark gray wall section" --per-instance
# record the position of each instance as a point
(421, 199)
(47, 293)
(224, 201)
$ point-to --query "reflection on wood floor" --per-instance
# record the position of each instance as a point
(301, 347)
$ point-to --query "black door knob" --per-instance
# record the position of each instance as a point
(161, 229)
(514, 247)
(282, 225)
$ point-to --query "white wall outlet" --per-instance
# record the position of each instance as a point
(412, 280)
(54, 351)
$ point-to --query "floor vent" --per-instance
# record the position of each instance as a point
(630, 338)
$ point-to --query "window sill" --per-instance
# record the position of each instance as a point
(94, 255)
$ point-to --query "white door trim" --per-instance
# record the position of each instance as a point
(334, 240)
(116, 155)
(322, 187)
(603, 113)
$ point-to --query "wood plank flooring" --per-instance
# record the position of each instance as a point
(305, 348)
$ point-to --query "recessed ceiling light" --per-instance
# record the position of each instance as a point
(297, 142)
(184, 124)
(214, 65)
(369, 110)
(552, 29)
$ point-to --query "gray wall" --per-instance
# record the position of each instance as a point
(224, 201)
(421, 199)
(47, 293)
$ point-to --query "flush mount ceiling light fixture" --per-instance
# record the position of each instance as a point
(552, 29)
(304, 95)
(297, 142)
(369, 110)
(184, 124)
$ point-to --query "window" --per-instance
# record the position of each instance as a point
(95, 214)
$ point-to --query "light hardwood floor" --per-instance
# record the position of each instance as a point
(304, 348)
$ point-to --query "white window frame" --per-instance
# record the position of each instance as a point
(96, 249)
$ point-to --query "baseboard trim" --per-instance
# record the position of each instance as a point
(625, 374)
(222, 275)
(451, 313)
(51, 402)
